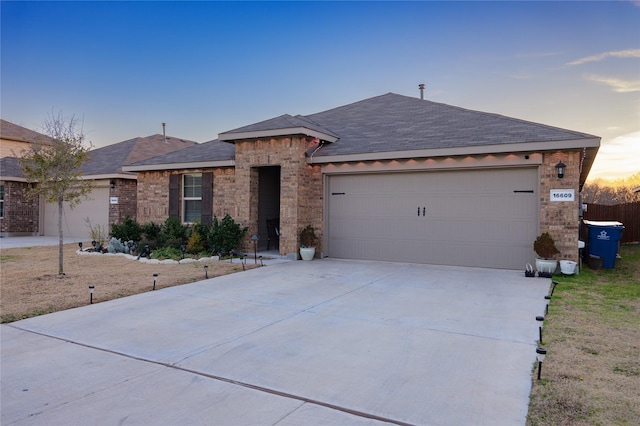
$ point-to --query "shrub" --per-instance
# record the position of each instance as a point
(173, 232)
(545, 247)
(308, 237)
(225, 235)
(195, 244)
(166, 253)
(129, 230)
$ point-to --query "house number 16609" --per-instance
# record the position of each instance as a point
(562, 195)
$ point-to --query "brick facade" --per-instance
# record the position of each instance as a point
(560, 218)
(300, 187)
(21, 215)
(126, 191)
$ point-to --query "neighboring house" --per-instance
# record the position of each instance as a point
(18, 215)
(113, 197)
(390, 178)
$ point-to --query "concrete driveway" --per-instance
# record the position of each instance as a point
(299, 343)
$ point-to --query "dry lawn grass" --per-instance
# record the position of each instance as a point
(591, 375)
(29, 284)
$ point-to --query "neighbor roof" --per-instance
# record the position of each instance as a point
(14, 132)
(110, 159)
(10, 168)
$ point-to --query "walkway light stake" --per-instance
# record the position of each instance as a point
(540, 354)
(154, 280)
(555, 283)
(540, 320)
(255, 239)
(80, 245)
(91, 294)
(206, 271)
(183, 249)
(547, 300)
(261, 264)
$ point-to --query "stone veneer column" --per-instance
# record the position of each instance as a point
(560, 218)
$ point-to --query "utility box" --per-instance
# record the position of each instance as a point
(603, 240)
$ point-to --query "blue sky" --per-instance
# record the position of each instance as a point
(207, 67)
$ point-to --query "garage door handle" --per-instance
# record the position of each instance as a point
(418, 210)
(424, 211)
(530, 191)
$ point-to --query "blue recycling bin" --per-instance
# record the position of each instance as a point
(604, 238)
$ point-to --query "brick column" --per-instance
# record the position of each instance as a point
(560, 218)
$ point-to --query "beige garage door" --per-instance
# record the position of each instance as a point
(96, 208)
(484, 218)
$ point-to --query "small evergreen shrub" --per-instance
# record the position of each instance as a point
(129, 230)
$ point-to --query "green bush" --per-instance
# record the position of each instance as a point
(129, 230)
(195, 244)
(175, 234)
(225, 235)
(166, 253)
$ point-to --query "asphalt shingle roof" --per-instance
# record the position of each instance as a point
(10, 167)
(111, 158)
(394, 122)
(214, 150)
(12, 131)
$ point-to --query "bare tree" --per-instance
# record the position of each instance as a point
(611, 192)
(53, 168)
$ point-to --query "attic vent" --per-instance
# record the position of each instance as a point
(421, 87)
(164, 133)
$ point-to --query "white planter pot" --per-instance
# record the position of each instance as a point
(567, 267)
(307, 253)
(546, 265)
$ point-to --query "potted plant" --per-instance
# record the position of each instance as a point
(545, 247)
(307, 243)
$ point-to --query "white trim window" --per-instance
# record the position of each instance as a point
(191, 197)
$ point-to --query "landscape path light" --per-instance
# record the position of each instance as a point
(547, 299)
(206, 271)
(91, 294)
(540, 320)
(80, 245)
(540, 354)
(155, 276)
(553, 286)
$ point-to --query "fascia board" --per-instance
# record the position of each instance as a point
(174, 166)
(276, 132)
(467, 150)
(110, 176)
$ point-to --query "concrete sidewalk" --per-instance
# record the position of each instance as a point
(322, 342)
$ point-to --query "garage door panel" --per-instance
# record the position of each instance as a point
(471, 218)
(95, 208)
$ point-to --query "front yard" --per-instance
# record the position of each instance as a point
(591, 375)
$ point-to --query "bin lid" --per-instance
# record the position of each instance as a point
(601, 223)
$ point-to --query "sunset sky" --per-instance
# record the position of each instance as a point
(208, 67)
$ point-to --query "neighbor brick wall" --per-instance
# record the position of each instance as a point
(560, 219)
(126, 191)
(21, 215)
(300, 185)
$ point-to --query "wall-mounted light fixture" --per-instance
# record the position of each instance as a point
(560, 167)
(112, 184)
